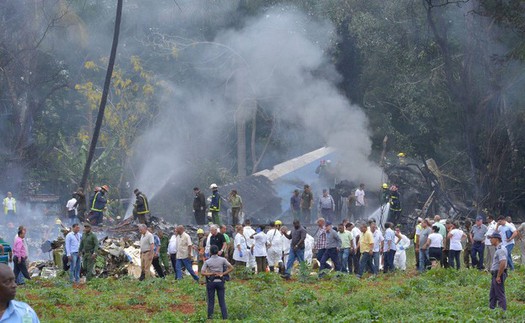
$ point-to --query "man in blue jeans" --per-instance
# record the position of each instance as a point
(366, 247)
(73, 239)
(508, 232)
(333, 244)
(298, 235)
(184, 254)
(477, 236)
(422, 240)
(214, 271)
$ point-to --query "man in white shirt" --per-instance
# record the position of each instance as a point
(355, 255)
(360, 201)
(184, 254)
(389, 247)
(73, 239)
(491, 227)
(172, 250)
(326, 205)
(71, 209)
(378, 246)
(147, 245)
(248, 231)
(508, 232)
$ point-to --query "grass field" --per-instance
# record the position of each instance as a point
(436, 296)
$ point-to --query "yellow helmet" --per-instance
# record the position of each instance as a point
(401, 155)
(385, 185)
(278, 222)
(200, 231)
(57, 221)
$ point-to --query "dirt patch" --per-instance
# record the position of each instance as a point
(64, 306)
(185, 308)
(32, 297)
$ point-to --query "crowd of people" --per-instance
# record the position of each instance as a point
(360, 248)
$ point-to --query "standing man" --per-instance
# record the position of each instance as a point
(147, 247)
(491, 227)
(215, 238)
(379, 241)
(295, 204)
(20, 255)
(360, 201)
(141, 206)
(156, 254)
(11, 310)
(499, 274)
(172, 250)
(395, 204)
(356, 257)
(215, 204)
(422, 240)
(326, 205)
(236, 205)
(88, 249)
(346, 247)
(98, 204)
(214, 271)
(72, 251)
(184, 254)
(163, 251)
(366, 247)
(508, 233)
(307, 201)
(71, 208)
(320, 239)
(389, 247)
(199, 206)
(9, 205)
(467, 253)
(298, 236)
(477, 236)
(248, 231)
(333, 244)
(416, 241)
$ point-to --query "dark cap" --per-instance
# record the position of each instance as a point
(87, 225)
(495, 235)
(479, 217)
(328, 223)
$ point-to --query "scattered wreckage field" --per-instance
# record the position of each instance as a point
(438, 295)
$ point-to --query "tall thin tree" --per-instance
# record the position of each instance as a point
(103, 100)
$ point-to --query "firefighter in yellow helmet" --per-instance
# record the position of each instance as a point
(385, 194)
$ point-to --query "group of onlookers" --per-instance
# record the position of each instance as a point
(441, 242)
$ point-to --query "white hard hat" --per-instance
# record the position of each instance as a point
(212, 186)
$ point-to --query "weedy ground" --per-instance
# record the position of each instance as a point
(436, 296)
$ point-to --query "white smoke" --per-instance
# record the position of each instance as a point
(278, 60)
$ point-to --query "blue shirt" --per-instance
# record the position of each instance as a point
(156, 242)
(295, 202)
(72, 242)
(390, 235)
(4, 259)
(19, 312)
